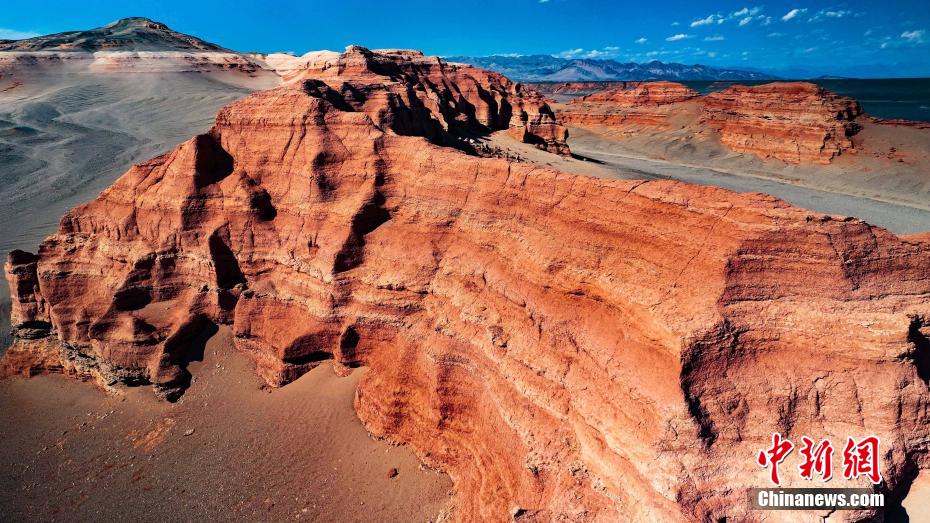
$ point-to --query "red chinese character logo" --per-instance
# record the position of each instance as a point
(861, 459)
(775, 455)
(819, 460)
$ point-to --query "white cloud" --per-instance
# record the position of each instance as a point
(679, 36)
(831, 13)
(751, 11)
(543, 1)
(571, 53)
(716, 38)
(792, 14)
(745, 15)
(706, 21)
(775, 35)
(809, 50)
(712, 54)
(641, 40)
(611, 48)
(13, 34)
(914, 37)
(675, 24)
(839, 13)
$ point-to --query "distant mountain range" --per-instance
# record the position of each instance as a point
(546, 68)
(135, 34)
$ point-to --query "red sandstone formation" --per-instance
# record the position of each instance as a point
(900, 122)
(795, 122)
(425, 96)
(580, 88)
(636, 105)
(644, 94)
(566, 348)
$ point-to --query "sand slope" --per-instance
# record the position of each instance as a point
(72, 453)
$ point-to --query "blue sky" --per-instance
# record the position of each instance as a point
(854, 37)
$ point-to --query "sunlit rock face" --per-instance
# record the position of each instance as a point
(631, 108)
(795, 122)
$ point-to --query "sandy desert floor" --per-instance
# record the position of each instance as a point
(73, 453)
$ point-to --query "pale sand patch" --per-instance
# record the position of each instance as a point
(917, 502)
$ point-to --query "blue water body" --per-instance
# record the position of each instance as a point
(907, 98)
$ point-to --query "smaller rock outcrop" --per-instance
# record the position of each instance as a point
(648, 93)
(579, 88)
(636, 104)
(796, 122)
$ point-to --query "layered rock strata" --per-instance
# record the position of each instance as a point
(426, 96)
(642, 104)
(566, 348)
(648, 93)
(579, 88)
(795, 122)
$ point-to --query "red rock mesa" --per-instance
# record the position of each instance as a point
(566, 348)
(647, 93)
(794, 122)
(579, 88)
(641, 104)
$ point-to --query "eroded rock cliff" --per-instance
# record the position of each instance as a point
(631, 107)
(578, 88)
(794, 122)
(647, 93)
(424, 96)
(566, 348)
